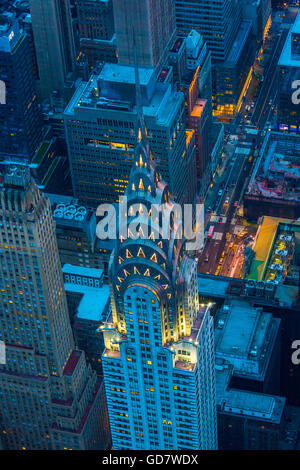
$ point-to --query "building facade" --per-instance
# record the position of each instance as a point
(54, 43)
(20, 119)
(217, 21)
(158, 361)
(101, 122)
(95, 19)
(288, 82)
(96, 31)
(151, 23)
(50, 398)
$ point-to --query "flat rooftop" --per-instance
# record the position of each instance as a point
(276, 175)
(239, 43)
(245, 337)
(82, 271)
(125, 74)
(92, 305)
(254, 405)
(245, 328)
(113, 90)
(273, 244)
(212, 285)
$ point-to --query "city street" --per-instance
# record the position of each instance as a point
(223, 253)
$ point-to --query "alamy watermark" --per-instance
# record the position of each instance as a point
(160, 222)
(296, 94)
(2, 353)
(2, 92)
(296, 354)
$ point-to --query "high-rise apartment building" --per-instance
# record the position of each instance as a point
(54, 43)
(217, 21)
(50, 398)
(158, 361)
(20, 120)
(150, 24)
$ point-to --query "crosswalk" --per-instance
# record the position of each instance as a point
(217, 218)
(218, 235)
(237, 229)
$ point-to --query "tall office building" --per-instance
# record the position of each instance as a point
(50, 398)
(152, 22)
(217, 21)
(158, 361)
(100, 122)
(288, 81)
(230, 41)
(260, 13)
(20, 120)
(54, 43)
(95, 19)
(96, 31)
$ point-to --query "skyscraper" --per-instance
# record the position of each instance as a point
(50, 398)
(54, 43)
(101, 120)
(95, 19)
(159, 358)
(288, 81)
(20, 120)
(152, 22)
(217, 21)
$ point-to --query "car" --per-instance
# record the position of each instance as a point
(206, 259)
(227, 200)
(236, 203)
(227, 235)
(220, 192)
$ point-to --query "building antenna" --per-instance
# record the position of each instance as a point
(139, 105)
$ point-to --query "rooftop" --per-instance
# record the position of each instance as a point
(82, 271)
(113, 89)
(244, 336)
(213, 285)
(274, 247)
(267, 408)
(243, 325)
(93, 305)
(276, 175)
(239, 43)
